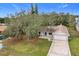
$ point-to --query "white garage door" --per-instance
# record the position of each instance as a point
(60, 37)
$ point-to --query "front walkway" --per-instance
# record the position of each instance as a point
(59, 48)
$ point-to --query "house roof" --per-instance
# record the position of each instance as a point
(62, 29)
(47, 29)
(55, 29)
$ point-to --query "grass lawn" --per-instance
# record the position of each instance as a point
(74, 46)
(28, 48)
(74, 41)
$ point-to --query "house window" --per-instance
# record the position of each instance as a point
(39, 33)
(50, 33)
(45, 33)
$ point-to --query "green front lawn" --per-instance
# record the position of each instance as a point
(28, 48)
(74, 41)
(74, 46)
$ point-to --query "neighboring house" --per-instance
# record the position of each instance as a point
(77, 20)
(2, 27)
(77, 23)
(54, 32)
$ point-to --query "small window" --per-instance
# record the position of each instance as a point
(45, 33)
(39, 33)
(50, 33)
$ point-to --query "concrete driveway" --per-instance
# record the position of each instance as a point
(59, 48)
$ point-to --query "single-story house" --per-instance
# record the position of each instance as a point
(59, 32)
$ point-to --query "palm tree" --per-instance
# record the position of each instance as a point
(34, 8)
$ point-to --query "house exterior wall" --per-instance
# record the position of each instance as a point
(42, 35)
(55, 36)
(45, 37)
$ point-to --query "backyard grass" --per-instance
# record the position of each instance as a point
(74, 41)
(28, 48)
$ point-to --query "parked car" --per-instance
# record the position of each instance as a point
(2, 37)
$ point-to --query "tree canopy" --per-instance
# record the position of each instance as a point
(28, 24)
